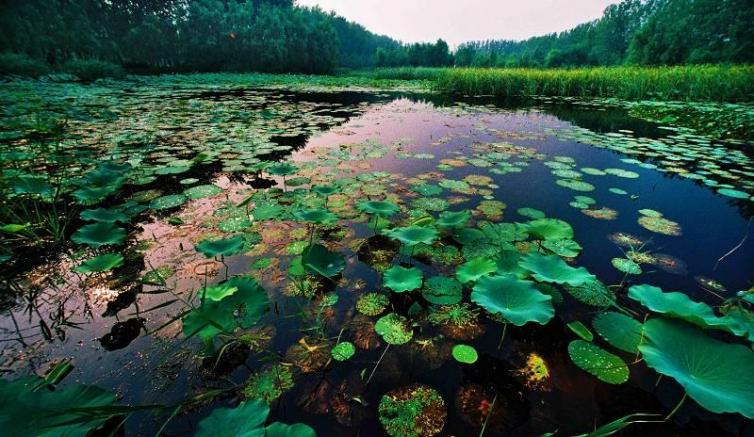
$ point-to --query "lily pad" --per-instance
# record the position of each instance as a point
(551, 268)
(619, 330)
(719, 376)
(442, 290)
(475, 268)
(605, 366)
(101, 263)
(465, 354)
(413, 411)
(394, 329)
(400, 279)
(343, 351)
(413, 235)
(514, 299)
(99, 234)
(224, 246)
(318, 259)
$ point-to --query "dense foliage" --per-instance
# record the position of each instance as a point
(182, 35)
(651, 32)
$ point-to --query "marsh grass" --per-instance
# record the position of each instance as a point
(695, 82)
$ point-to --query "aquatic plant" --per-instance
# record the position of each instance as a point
(247, 420)
(400, 279)
(317, 259)
(465, 354)
(412, 411)
(605, 366)
(551, 268)
(516, 300)
(223, 246)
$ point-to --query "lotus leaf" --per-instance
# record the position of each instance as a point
(319, 260)
(394, 329)
(202, 191)
(581, 330)
(246, 420)
(452, 220)
(465, 354)
(549, 229)
(719, 376)
(563, 247)
(400, 279)
(224, 246)
(99, 234)
(475, 268)
(318, 216)
(168, 202)
(101, 263)
(372, 304)
(105, 215)
(442, 290)
(599, 362)
(343, 351)
(413, 411)
(551, 268)
(619, 330)
(413, 235)
(514, 299)
(592, 292)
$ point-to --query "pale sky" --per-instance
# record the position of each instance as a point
(457, 21)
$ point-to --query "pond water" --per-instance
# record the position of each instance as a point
(645, 204)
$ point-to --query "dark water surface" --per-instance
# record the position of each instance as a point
(148, 367)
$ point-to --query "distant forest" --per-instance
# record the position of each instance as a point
(278, 36)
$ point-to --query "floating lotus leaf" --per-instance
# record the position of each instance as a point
(605, 366)
(563, 247)
(246, 420)
(372, 304)
(622, 173)
(343, 351)
(101, 263)
(549, 229)
(660, 225)
(452, 220)
(575, 185)
(43, 412)
(282, 169)
(442, 290)
(202, 191)
(719, 376)
(412, 411)
(551, 268)
(679, 305)
(426, 189)
(224, 246)
(475, 268)
(413, 235)
(325, 190)
(105, 215)
(581, 330)
(268, 385)
(619, 330)
(168, 202)
(736, 194)
(464, 353)
(531, 213)
(99, 234)
(400, 279)
(430, 204)
(394, 329)
(218, 292)
(626, 266)
(514, 299)
(318, 216)
(31, 184)
(317, 259)
(267, 211)
(592, 292)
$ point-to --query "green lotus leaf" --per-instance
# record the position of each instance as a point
(269, 384)
(575, 185)
(28, 408)
(465, 354)
(218, 292)
(592, 292)
(549, 229)
(99, 234)
(626, 265)
(31, 184)
(426, 189)
(101, 263)
(246, 420)
(317, 259)
(581, 330)
(531, 213)
(224, 246)
(372, 304)
(552, 268)
(267, 211)
(394, 329)
(14, 228)
(605, 366)
(400, 279)
(442, 290)
(474, 269)
(679, 305)
(105, 215)
(278, 429)
(514, 299)
(453, 220)
(168, 202)
(282, 169)
(563, 247)
(413, 235)
(719, 376)
(736, 194)
(619, 330)
(412, 411)
(318, 216)
(202, 191)
(343, 351)
(379, 208)
(325, 190)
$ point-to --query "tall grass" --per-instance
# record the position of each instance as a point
(697, 82)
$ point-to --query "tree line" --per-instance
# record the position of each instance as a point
(643, 32)
(279, 36)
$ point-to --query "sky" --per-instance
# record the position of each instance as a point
(458, 21)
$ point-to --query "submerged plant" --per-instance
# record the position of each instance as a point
(414, 410)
